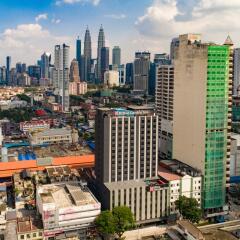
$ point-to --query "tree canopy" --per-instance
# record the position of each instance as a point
(116, 222)
(24, 97)
(189, 208)
(105, 223)
(17, 114)
(123, 219)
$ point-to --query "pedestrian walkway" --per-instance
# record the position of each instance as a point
(138, 234)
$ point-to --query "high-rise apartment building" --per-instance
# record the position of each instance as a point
(116, 56)
(159, 59)
(236, 68)
(8, 68)
(101, 44)
(164, 104)
(45, 64)
(75, 86)
(141, 69)
(61, 75)
(86, 72)
(202, 114)
(127, 160)
(104, 61)
(78, 53)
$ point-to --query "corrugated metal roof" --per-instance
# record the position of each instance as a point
(8, 168)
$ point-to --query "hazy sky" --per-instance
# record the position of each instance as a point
(30, 27)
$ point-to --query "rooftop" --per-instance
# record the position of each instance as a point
(142, 107)
(54, 150)
(131, 110)
(194, 231)
(179, 168)
(130, 183)
(8, 168)
(62, 173)
(151, 182)
(168, 175)
(54, 132)
(66, 195)
(61, 170)
(28, 224)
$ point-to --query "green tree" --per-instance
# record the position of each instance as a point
(123, 220)
(105, 223)
(24, 97)
(189, 208)
(116, 222)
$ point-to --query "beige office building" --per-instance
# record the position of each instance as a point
(202, 113)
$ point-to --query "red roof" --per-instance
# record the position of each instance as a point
(8, 168)
(166, 174)
(40, 112)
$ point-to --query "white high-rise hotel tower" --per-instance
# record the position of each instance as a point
(61, 75)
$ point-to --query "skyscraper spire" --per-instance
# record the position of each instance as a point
(228, 41)
(101, 44)
(87, 55)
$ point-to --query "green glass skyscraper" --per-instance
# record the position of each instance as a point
(202, 114)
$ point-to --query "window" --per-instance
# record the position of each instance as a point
(22, 237)
(29, 236)
(34, 234)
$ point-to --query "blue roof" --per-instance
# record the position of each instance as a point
(27, 156)
(235, 179)
(91, 145)
(18, 144)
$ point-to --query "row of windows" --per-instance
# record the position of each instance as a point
(133, 204)
(31, 235)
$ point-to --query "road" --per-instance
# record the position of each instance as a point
(145, 232)
(219, 225)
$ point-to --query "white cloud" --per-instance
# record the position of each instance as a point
(61, 2)
(27, 42)
(43, 16)
(56, 21)
(116, 16)
(213, 18)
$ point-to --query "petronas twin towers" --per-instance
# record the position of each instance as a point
(101, 44)
(87, 57)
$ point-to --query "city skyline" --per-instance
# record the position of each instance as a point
(37, 26)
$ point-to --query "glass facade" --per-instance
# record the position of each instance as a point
(216, 127)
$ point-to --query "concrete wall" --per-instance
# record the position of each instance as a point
(190, 71)
(146, 206)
